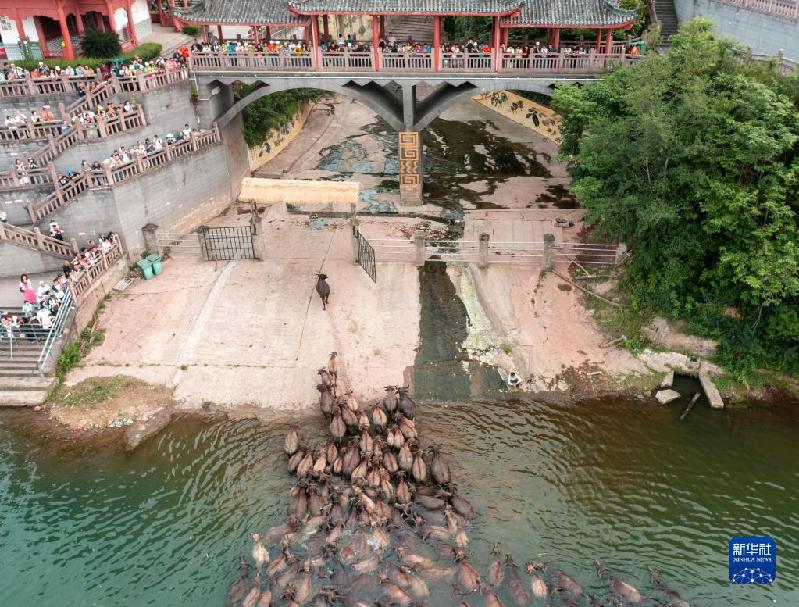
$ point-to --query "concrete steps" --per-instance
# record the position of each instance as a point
(19, 398)
(418, 29)
(20, 382)
(667, 15)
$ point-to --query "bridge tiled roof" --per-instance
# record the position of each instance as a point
(271, 12)
(544, 13)
(528, 13)
(407, 7)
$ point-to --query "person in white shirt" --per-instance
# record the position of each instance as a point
(44, 318)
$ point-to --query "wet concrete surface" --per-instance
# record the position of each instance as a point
(443, 370)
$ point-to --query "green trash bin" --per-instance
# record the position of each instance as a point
(146, 267)
(156, 261)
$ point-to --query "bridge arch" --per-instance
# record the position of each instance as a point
(394, 98)
(395, 102)
(370, 94)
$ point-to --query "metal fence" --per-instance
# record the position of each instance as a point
(226, 243)
(59, 325)
(546, 253)
(365, 254)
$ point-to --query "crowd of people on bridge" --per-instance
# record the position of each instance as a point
(40, 303)
(341, 44)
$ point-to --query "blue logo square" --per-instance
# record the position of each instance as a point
(753, 559)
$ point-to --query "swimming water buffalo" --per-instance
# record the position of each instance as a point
(375, 519)
(623, 589)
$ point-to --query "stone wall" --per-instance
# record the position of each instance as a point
(16, 260)
(764, 34)
(28, 104)
(278, 139)
(15, 203)
(179, 196)
(11, 152)
(191, 189)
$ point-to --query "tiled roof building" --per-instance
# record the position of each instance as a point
(513, 13)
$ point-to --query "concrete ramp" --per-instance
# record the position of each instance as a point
(298, 191)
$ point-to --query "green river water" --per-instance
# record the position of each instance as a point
(619, 480)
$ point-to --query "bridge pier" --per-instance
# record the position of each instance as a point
(214, 99)
(410, 167)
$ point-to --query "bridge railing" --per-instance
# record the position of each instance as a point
(562, 62)
(256, 61)
(411, 62)
(467, 62)
(347, 60)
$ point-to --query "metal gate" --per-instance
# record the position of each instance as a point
(226, 243)
(366, 254)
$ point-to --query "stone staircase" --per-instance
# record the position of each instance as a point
(667, 15)
(418, 29)
(20, 382)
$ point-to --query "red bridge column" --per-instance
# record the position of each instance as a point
(376, 42)
(62, 21)
(437, 43)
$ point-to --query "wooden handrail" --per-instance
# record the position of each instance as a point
(90, 276)
(34, 239)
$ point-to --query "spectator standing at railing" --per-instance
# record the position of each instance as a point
(33, 169)
(56, 231)
(22, 172)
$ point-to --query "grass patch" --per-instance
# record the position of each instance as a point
(624, 322)
(507, 349)
(77, 349)
(94, 391)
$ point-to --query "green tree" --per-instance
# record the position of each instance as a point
(100, 44)
(692, 159)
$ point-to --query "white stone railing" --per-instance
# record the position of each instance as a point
(788, 9)
(479, 62)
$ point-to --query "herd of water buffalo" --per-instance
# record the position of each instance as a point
(375, 520)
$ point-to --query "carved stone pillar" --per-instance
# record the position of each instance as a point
(410, 167)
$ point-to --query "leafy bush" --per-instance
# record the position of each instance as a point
(147, 51)
(191, 30)
(271, 111)
(99, 44)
